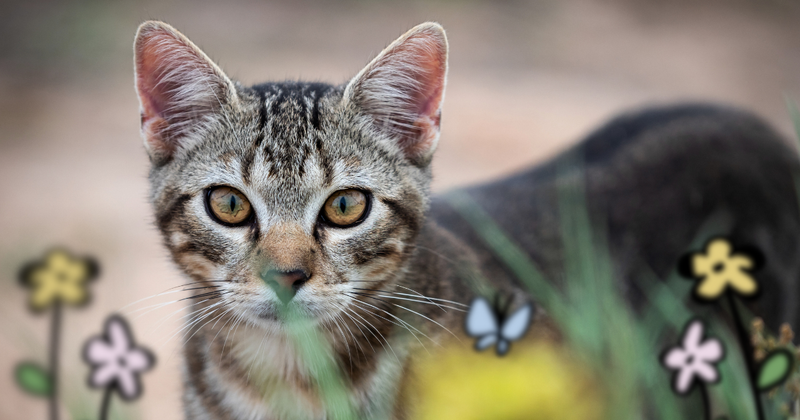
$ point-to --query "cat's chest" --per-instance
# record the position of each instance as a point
(267, 355)
(272, 378)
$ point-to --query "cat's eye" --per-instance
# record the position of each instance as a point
(346, 208)
(228, 206)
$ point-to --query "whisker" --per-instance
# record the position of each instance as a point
(237, 320)
(433, 298)
(440, 306)
(161, 305)
(202, 295)
(151, 308)
(417, 313)
(438, 254)
(171, 290)
(184, 316)
(203, 326)
(222, 328)
(445, 328)
(205, 312)
(405, 324)
(258, 354)
(346, 344)
(358, 345)
(373, 334)
(361, 331)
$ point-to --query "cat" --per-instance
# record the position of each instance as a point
(317, 197)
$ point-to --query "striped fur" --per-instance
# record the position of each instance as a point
(288, 146)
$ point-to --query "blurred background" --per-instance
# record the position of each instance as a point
(527, 79)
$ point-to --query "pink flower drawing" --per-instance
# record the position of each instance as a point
(694, 358)
(115, 359)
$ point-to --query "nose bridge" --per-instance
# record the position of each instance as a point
(287, 247)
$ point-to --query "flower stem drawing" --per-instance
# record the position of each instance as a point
(721, 269)
(57, 279)
(55, 341)
(694, 362)
(747, 348)
(104, 406)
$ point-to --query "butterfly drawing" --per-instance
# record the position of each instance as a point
(491, 324)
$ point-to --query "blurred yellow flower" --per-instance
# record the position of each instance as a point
(718, 268)
(533, 381)
(58, 277)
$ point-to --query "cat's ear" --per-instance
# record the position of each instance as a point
(179, 87)
(402, 89)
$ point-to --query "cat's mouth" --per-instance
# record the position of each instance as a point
(304, 306)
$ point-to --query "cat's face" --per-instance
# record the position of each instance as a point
(290, 193)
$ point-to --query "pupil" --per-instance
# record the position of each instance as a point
(342, 204)
(233, 203)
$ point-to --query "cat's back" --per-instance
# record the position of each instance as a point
(654, 180)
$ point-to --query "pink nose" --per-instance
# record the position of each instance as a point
(285, 283)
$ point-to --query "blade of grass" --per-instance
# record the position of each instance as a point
(319, 357)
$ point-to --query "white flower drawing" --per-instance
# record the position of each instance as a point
(115, 359)
(695, 358)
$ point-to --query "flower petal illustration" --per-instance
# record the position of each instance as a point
(99, 351)
(115, 359)
(694, 359)
(692, 337)
(128, 384)
(675, 358)
(705, 372)
(710, 350)
(118, 336)
(58, 277)
(684, 380)
(720, 267)
(137, 360)
(104, 375)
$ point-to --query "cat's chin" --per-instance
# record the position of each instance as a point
(268, 316)
(278, 316)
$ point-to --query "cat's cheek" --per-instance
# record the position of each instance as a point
(322, 301)
(198, 267)
(253, 304)
(383, 268)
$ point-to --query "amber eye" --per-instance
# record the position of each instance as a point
(345, 208)
(228, 206)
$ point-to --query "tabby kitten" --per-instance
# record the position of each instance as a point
(301, 194)
(315, 197)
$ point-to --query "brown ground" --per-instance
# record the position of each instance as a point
(526, 80)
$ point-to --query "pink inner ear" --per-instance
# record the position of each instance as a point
(177, 85)
(155, 57)
(429, 66)
(431, 82)
(403, 89)
(152, 97)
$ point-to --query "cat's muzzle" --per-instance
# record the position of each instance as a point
(285, 284)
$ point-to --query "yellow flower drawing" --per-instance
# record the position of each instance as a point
(58, 277)
(719, 268)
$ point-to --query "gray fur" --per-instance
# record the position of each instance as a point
(656, 176)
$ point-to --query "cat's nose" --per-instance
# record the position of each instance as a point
(285, 283)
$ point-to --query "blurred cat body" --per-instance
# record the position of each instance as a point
(385, 285)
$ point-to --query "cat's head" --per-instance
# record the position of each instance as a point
(290, 193)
